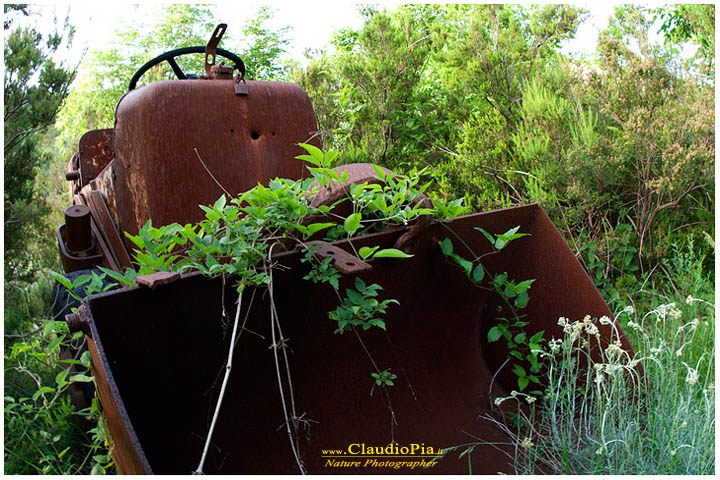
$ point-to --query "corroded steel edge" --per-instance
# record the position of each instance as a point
(127, 453)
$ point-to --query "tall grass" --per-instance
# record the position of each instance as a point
(44, 433)
(651, 412)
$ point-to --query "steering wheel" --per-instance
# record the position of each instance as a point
(170, 58)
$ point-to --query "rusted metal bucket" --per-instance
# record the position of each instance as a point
(158, 357)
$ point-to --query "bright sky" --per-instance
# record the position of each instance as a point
(312, 23)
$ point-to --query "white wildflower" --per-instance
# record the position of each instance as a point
(656, 350)
(530, 399)
(692, 375)
(527, 443)
(689, 300)
(555, 345)
(513, 394)
(591, 329)
(684, 425)
(578, 326)
(614, 350)
(634, 325)
(562, 321)
(605, 320)
(600, 450)
(599, 378)
(499, 400)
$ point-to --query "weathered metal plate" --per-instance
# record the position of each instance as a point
(95, 151)
(159, 357)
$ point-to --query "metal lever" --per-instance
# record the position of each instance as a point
(211, 48)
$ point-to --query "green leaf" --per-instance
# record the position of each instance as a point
(521, 300)
(42, 391)
(446, 246)
(392, 253)
(352, 223)
(380, 172)
(520, 338)
(494, 334)
(315, 153)
(81, 378)
(330, 157)
(519, 371)
(85, 358)
(365, 252)
(490, 238)
(522, 383)
(62, 280)
(516, 354)
(60, 378)
(220, 203)
(478, 273)
(524, 285)
(465, 264)
(316, 227)
(538, 337)
(379, 323)
(54, 344)
(127, 279)
(354, 297)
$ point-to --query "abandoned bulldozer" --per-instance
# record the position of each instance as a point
(159, 349)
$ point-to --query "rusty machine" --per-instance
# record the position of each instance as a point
(156, 352)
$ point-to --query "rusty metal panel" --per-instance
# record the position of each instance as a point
(242, 140)
(101, 215)
(104, 183)
(160, 349)
(95, 151)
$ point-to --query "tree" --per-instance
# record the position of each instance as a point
(691, 23)
(266, 46)
(35, 88)
(491, 55)
(372, 82)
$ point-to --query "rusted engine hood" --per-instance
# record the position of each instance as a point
(161, 130)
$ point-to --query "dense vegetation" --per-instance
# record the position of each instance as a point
(618, 149)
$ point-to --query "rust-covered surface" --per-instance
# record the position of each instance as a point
(159, 356)
(95, 152)
(240, 140)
